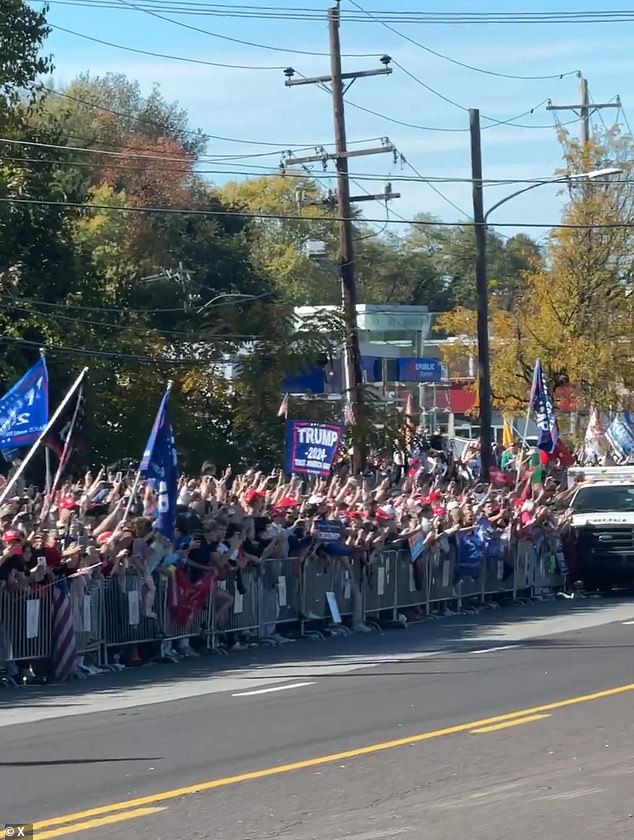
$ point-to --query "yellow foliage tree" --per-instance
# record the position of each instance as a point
(574, 312)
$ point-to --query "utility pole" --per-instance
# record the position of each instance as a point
(584, 109)
(482, 298)
(353, 375)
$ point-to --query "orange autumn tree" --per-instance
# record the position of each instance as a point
(575, 311)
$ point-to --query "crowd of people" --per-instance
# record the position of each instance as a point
(102, 526)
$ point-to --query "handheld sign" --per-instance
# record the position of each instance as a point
(329, 530)
(416, 545)
(311, 447)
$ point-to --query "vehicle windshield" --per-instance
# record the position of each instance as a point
(601, 499)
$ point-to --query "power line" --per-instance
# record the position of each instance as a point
(390, 16)
(281, 147)
(435, 189)
(139, 51)
(493, 120)
(288, 217)
(510, 122)
(125, 311)
(103, 354)
(289, 173)
(236, 40)
(456, 61)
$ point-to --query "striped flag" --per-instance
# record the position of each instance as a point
(64, 642)
(348, 414)
(64, 439)
(409, 416)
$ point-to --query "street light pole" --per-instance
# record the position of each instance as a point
(482, 300)
(480, 219)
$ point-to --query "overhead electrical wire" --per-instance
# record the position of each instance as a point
(127, 311)
(180, 335)
(510, 122)
(52, 349)
(494, 122)
(241, 41)
(457, 61)
(155, 54)
(435, 189)
(310, 175)
(290, 217)
(280, 147)
(259, 12)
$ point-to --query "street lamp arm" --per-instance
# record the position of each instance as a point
(568, 177)
(519, 192)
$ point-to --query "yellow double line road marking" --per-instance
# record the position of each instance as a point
(507, 724)
(99, 822)
(147, 805)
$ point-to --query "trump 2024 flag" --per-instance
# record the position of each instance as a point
(24, 409)
(160, 464)
(542, 404)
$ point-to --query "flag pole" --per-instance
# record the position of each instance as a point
(47, 454)
(62, 463)
(29, 456)
(137, 478)
(528, 418)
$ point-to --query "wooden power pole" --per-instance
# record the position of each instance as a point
(337, 79)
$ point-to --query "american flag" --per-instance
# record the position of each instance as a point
(64, 642)
(409, 418)
(64, 439)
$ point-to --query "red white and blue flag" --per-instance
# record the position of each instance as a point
(186, 598)
(64, 641)
(542, 404)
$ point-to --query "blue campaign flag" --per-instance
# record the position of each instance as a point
(24, 409)
(312, 447)
(160, 463)
(620, 435)
(542, 404)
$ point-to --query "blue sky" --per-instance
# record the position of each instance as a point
(254, 105)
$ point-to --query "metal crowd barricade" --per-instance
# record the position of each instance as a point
(346, 586)
(547, 576)
(525, 558)
(412, 581)
(442, 576)
(280, 594)
(125, 622)
(25, 622)
(285, 599)
(499, 574)
(380, 586)
(242, 616)
(87, 604)
(317, 582)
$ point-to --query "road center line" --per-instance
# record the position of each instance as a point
(112, 819)
(274, 688)
(508, 724)
(201, 787)
(494, 649)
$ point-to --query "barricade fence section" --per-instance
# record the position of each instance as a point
(113, 617)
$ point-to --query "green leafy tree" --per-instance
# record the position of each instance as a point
(22, 34)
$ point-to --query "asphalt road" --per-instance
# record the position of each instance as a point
(503, 724)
